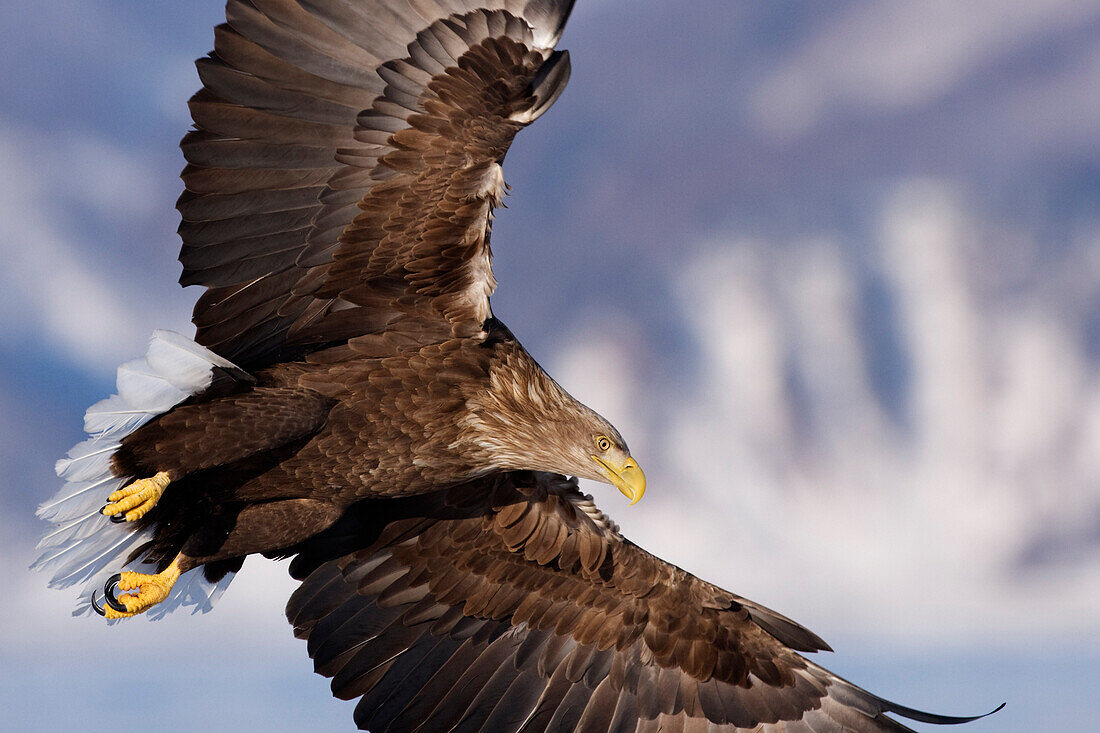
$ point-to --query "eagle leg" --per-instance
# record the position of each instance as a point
(133, 501)
(151, 590)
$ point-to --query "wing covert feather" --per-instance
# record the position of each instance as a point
(512, 603)
(339, 146)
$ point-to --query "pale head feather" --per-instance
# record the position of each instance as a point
(526, 421)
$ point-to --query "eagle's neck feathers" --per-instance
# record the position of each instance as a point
(523, 419)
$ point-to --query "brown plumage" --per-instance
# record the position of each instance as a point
(338, 426)
(358, 405)
(343, 235)
(512, 603)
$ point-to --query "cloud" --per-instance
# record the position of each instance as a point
(958, 502)
(58, 289)
(246, 620)
(895, 56)
(786, 476)
(1052, 112)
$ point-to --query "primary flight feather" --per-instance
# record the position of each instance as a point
(350, 398)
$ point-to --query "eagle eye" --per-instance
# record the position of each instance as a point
(603, 443)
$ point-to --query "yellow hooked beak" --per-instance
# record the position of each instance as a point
(627, 478)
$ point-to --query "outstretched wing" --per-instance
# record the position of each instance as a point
(346, 161)
(513, 604)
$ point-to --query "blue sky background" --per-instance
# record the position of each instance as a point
(833, 269)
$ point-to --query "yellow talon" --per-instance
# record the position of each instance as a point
(151, 590)
(136, 499)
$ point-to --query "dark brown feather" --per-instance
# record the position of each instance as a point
(339, 190)
(669, 660)
(364, 140)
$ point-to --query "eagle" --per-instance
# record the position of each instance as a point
(350, 400)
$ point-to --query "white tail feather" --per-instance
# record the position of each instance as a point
(114, 416)
(87, 461)
(138, 384)
(86, 547)
(89, 554)
(184, 363)
(76, 499)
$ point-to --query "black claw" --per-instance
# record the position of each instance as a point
(96, 607)
(109, 593)
(117, 518)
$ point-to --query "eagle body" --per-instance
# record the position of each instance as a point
(339, 427)
(350, 400)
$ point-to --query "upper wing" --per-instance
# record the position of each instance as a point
(513, 604)
(346, 160)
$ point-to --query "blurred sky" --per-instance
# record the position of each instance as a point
(832, 268)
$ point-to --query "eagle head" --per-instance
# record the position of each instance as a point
(526, 421)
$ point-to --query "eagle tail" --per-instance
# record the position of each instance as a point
(85, 546)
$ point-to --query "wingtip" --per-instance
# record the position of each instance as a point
(933, 718)
(554, 13)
